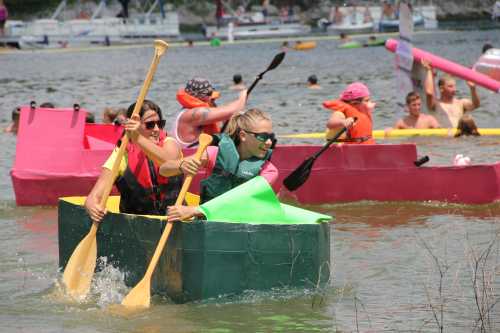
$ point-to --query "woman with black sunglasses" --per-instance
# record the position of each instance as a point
(142, 189)
(242, 153)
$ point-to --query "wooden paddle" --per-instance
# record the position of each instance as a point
(81, 265)
(140, 295)
(299, 176)
(275, 63)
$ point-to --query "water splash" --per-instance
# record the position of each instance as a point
(108, 284)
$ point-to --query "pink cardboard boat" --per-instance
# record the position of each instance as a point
(57, 155)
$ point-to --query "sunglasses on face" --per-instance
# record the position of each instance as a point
(151, 124)
(263, 137)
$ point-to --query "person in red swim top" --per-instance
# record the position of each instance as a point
(354, 102)
(200, 113)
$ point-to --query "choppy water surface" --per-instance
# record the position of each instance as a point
(390, 259)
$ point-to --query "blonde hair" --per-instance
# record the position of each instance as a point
(243, 121)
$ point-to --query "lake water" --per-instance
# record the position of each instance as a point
(390, 259)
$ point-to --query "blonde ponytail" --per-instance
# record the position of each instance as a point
(244, 120)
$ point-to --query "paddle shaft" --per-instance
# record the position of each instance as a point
(81, 265)
(178, 202)
(299, 176)
(140, 294)
(275, 63)
(160, 48)
(329, 143)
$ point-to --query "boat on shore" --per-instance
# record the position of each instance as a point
(356, 20)
(94, 29)
(204, 259)
(255, 25)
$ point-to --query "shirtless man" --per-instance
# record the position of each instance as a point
(415, 119)
(448, 108)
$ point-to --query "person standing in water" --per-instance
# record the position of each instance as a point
(415, 118)
(449, 109)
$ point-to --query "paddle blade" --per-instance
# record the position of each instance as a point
(140, 295)
(276, 61)
(81, 265)
(299, 176)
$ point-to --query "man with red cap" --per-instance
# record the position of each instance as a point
(354, 103)
(200, 113)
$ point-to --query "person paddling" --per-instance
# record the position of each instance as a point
(243, 152)
(200, 113)
(354, 103)
(142, 189)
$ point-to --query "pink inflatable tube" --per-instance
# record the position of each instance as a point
(450, 67)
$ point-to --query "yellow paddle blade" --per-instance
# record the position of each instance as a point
(139, 296)
(81, 265)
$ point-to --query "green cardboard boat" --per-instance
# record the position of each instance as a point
(250, 241)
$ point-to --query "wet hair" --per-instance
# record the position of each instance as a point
(445, 78)
(90, 118)
(486, 47)
(467, 126)
(411, 97)
(146, 106)
(110, 114)
(312, 79)
(16, 113)
(47, 105)
(237, 78)
(244, 120)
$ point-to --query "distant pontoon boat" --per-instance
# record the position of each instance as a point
(96, 29)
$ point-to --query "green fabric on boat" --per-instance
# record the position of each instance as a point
(255, 202)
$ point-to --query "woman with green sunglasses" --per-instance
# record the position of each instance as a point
(242, 153)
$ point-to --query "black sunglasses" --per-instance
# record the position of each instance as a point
(263, 137)
(151, 124)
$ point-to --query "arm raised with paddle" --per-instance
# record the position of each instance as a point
(79, 270)
(277, 60)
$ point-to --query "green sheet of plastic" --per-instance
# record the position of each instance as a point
(255, 202)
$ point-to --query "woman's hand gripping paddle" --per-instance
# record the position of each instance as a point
(299, 176)
(81, 265)
(140, 295)
(275, 63)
